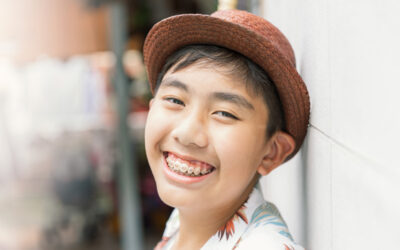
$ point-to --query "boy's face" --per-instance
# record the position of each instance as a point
(205, 138)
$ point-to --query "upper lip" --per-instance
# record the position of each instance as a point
(188, 158)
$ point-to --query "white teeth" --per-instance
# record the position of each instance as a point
(185, 169)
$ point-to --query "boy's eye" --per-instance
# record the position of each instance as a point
(174, 100)
(226, 114)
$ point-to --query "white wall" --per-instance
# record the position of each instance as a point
(341, 192)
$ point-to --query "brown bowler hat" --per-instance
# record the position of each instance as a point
(243, 32)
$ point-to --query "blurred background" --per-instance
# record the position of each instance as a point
(73, 103)
(74, 100)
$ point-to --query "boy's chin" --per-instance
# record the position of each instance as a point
(172, 197)
(179, 198)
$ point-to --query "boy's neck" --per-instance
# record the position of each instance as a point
(197, 227)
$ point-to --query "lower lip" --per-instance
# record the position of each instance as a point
(182, 178)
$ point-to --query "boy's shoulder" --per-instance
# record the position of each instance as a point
(260, 239)
(266, 230)
(256, 225)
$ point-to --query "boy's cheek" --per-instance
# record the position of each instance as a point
(157, 118)
(157, 125)
(151, 103)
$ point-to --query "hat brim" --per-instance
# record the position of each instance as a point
(175, 32)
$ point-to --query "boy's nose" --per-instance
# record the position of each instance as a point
(191, 131)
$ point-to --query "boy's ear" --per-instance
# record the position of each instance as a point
(280, 146)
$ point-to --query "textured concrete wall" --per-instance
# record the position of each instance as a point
(341, 192)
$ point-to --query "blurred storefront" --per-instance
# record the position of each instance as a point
(60, 148)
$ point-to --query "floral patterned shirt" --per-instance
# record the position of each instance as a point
(256, 225)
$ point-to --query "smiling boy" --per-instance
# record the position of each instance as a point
(228, 107)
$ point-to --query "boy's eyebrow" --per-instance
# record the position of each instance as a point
(233, 98)
(170, 82)
(221, 96)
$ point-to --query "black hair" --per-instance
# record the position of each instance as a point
(256, 79)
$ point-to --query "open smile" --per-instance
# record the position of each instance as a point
(186, 171)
